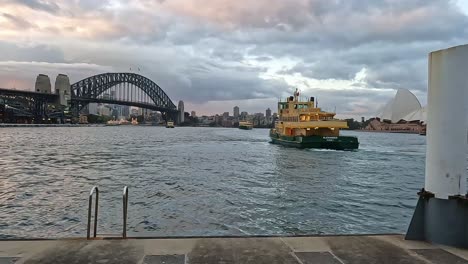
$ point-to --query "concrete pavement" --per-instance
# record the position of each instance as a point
(304, 250)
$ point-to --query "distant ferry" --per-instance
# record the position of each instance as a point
(245, 125)
(113, 123)
(170, 124)
(302, 124)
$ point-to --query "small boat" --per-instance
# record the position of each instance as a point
(170, 124)
(245, 125)
(302, 124)
(124, 122)
(113, 123)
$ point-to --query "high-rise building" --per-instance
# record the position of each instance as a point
(181, 112)
(126, 111)
(225, 115)
(244, 115)
(236, 112)
(193, 114)
(92, 108)
(43, 84)
(363, 119)
(268, 113)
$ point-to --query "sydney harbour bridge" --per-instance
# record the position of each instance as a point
(128, 89)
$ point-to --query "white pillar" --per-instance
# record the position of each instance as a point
(447, 123)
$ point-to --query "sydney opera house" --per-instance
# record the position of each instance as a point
(403, 114)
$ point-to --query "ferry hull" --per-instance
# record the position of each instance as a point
(245, 127)
(319, 142)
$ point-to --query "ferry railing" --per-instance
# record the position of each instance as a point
(125, 211)
(96, 206)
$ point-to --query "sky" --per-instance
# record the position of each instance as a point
(214, 54)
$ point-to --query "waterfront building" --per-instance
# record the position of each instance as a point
(236, 112)
(268, 117)
(43, 84)
(243, 115)
(403, 113)
(225, 115)
(193, 114)
(103, 110)
(181, 112)
(92, 108)
(125, 111)
(404, 103)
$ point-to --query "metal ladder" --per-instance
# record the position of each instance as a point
(95, 189)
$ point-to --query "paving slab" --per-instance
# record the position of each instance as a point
(440, 256)
(167, 246)
(164, 259)
(370, 250)
(98, 252)
(241, 250)
(8, 260)
(317, 257)
(306, 244)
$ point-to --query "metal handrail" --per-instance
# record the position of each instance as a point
(125, 210)
(95, 188)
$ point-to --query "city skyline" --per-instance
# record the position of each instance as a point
(352, 54)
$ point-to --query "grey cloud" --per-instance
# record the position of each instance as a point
(350, 103)
(43, 53)
(18, 22)
(200, 82)
(199, 60)
(44, 5)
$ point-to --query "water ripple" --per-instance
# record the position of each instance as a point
(203, 181)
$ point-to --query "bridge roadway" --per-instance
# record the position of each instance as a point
(379, 249)
(10, 92)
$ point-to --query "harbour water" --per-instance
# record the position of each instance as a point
(203, 182)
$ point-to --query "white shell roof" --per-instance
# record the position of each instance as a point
(401, 106)
(418, 115)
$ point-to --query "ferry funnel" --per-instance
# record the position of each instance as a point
(441, 214)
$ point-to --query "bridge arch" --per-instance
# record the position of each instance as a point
(90, 89)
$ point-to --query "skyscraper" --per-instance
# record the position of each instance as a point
(268, 118)
(193, 114)
(181, 112)
(236, 112)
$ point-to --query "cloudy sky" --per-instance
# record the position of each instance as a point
(214, 54)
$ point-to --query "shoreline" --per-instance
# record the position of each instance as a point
(384, 131)
(49, 125)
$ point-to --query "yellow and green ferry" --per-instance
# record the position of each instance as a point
(170, 124)
(303, 124)
(246, 125)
